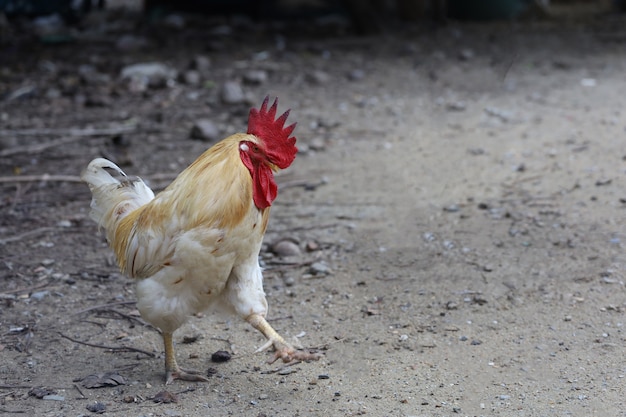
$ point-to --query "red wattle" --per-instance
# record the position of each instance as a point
(264, 188)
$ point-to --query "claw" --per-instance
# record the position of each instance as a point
(289, 354)
(284, 350)
(184, 375)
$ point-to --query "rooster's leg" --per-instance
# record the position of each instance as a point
(283, 349)
(172, 371)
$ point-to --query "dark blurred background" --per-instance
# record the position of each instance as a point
(358, 16)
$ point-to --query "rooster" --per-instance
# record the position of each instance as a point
(196, 244)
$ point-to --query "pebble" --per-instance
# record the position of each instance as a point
(255, 77)
(286, 248)
(192, 77)
(97, 407)
(220, 356)
(148, 74)
(317, 144)
(466, 54)
(319, 268)
(64, 223)
(311, 246)
(39, 295)
(232, 93)
(174, 21)
(318, 77)
(456, 106)
(165, 397)
(356, 75)
(201, 63)
(205, 130)
(53, 397)
(130, 43)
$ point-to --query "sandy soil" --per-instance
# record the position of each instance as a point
(463, 186)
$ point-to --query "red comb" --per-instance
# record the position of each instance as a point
(279, 145)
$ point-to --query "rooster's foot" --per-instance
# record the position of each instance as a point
(289, 354)
(184, 375)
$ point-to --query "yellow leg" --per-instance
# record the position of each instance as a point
(283, 349)
(172, 371)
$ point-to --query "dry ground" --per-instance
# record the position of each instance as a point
(465, 186)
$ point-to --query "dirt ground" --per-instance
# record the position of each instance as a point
(458, 203)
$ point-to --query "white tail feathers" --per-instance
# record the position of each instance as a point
(113, 199)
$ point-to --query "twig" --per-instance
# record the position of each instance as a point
(280, 318)
(68, 132)
(40, 178)
(79, 391)
(24, 235)
(101, 306)
(312, 227)
(302, 183)
(112, 348)
(129, 318)
(75, 135)
(280, 368)
(168, 176)
(24, 289)
(286, 267)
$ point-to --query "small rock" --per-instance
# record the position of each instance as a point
(466, 54)
(319, 268)
(165, 397)
(97, 407)
(26, 91)
(149, 74)
(127, 43)
(289, 281)
(40, 392)
(191, 77)
(174, 21)
(255, 77)
(232, 93)
(53, 397)
(287, 371)
(311, 246)
(588, 82)
(201, 63)
(263, 397)
(286, 248)
(323, 376)
(39, 295)
(356, 75)
(455, 106)
(317, 144)
(205, 130)
(106, 379)
(318, 77)
(220, 356)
